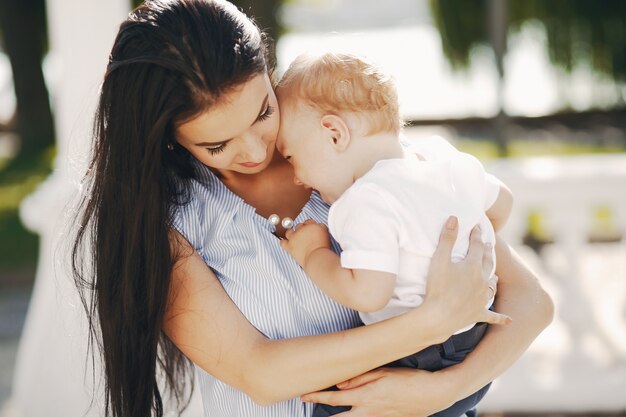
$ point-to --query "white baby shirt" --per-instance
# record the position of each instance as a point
(391, 218)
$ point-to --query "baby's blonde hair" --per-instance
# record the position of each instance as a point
(337, 82)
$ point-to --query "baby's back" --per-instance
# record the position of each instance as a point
(420, 195)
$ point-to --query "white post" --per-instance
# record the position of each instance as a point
(52, 374)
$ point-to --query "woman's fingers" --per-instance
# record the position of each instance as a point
(344, 398)
(476, 248)
(363, 379)
(492, 317)
(488, 263)
(447, 239)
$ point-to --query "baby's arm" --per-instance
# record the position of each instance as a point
(359, 289)
(500, 210)
(498, 213)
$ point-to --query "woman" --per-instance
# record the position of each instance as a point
(183, 182)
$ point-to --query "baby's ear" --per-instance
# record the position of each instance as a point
(336, 131)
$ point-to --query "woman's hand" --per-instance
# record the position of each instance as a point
(389, 392)
(459, 291)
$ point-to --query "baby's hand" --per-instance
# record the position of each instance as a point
(304, 239)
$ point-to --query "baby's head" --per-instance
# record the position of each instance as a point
(326, 103)
(336, 83)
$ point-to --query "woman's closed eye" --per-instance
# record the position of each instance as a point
(269, 110)
(219, 148)
(214, 150)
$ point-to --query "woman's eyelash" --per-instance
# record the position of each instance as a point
(218, 149)
(267, 113)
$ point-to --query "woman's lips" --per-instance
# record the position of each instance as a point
(250, 164)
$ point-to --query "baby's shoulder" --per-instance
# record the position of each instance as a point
(432, 148)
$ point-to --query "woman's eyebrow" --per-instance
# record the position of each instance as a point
(263, 106)
(212, 143)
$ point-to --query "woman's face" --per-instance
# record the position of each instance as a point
(239, 133)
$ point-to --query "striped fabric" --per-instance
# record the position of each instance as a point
(265, 283)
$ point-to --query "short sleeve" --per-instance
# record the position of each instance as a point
(183, 215)
(470, 172)
(367, 228)
(492, 190)
(176, 218)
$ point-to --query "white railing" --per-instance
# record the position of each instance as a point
(579, 363)
(567, 192)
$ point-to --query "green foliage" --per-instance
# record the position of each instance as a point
(462, 26)
(578, 31)
(18, 247)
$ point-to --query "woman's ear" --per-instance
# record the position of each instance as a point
(336, 131)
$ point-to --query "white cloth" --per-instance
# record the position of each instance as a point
(390, 219)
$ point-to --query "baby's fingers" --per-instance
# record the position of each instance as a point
(289, 233)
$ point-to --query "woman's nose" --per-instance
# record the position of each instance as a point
(255, 149)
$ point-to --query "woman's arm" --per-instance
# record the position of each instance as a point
(408, 392)
(209, 329)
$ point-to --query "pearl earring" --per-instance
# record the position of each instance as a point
(170, 146)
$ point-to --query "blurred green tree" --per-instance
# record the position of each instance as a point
(578, 32)
(24, 38)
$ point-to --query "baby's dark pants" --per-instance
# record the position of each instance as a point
(434, 358)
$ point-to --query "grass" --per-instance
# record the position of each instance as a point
(486, 150)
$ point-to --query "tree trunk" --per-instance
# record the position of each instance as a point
(497, 18)
(23, 31)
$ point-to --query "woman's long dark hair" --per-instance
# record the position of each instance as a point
(171, 60)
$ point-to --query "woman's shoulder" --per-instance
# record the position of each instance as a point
(199, 203)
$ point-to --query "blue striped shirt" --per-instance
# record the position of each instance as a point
(267, 285)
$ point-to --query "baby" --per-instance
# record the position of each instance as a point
(340, 129)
